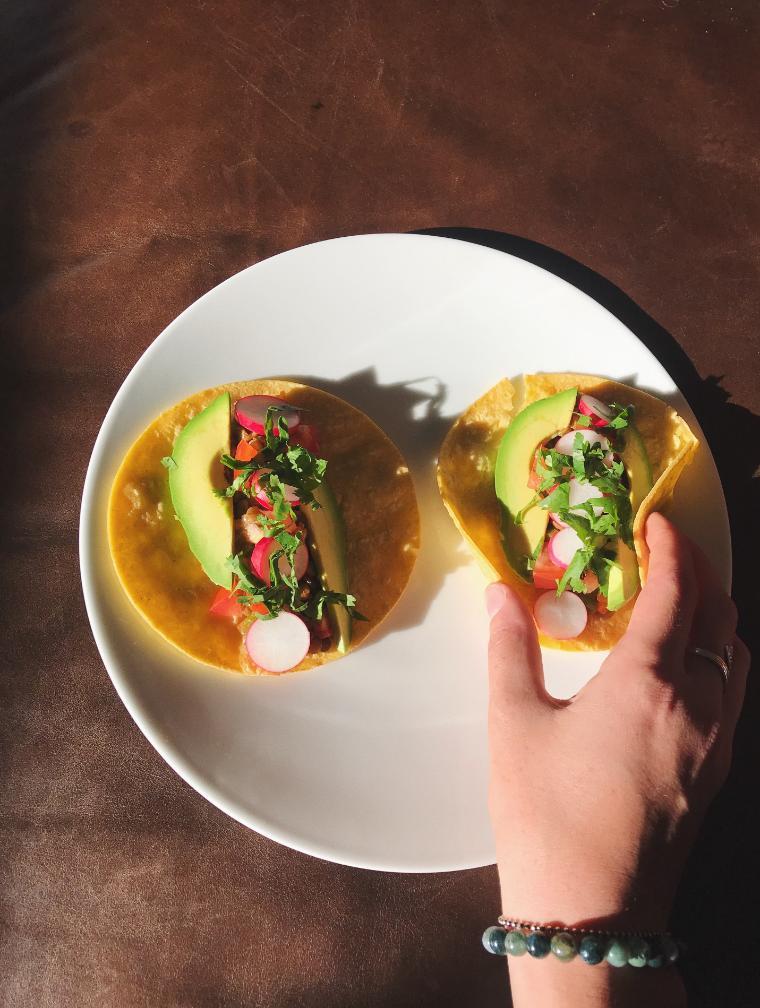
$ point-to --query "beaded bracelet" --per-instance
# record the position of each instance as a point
(593, 945)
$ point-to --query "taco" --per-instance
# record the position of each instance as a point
(263, 526)
(550, 481)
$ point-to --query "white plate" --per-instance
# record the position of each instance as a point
(377, 760)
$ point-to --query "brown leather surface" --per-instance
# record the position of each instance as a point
(149, 150)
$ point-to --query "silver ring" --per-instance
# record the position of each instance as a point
(728, 654)
(724, 666)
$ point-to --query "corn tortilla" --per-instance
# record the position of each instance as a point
(466, 479)
(165, 582)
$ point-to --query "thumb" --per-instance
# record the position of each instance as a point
(514, 657)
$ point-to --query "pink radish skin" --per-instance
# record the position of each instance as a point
(291, 494)
(557, 521)
(279, 644)
(562, 617)
(579, 493)
(260, 557)
(262, 554)
(565, 444)
(600, 413)
(251, 412)
(563, 546)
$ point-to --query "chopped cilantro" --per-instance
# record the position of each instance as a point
(280, 465)
(574, 572)
(622, 416)
(599, 521)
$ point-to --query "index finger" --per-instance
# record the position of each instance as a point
(663, 613)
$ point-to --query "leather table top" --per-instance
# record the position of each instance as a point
(151, 149)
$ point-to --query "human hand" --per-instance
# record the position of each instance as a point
(596, 802)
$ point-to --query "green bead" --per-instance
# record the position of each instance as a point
(539, 945)
(494, 940)
(638, 952)
(563, 946)
(592, 949)
(516, 943)
(617, 953)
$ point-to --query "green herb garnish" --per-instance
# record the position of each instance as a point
(277, 466)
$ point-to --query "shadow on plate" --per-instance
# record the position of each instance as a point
(410, 413)
(717, 885)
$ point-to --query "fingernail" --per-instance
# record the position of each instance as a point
(496, 596)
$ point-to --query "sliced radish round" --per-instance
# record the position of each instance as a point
(563, 546)
(306, 437)
(262, 555)
(262, 552)
(300, 562)
(566, 443)
(251, 412)
(579, 493)
(562, 617)
(291, 494)
(278, 644)
(599, 412)
(557, 521)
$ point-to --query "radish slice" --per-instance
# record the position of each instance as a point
(291, 494)
(600, 413)
(557, 521)
(251, 412)
(579, 493)
(565, 444)
(561, 617)
(306, 437)
(278, 644)
(563, 546)
(300, 562)
(262, 555)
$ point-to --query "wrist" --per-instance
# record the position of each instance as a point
(582, 892)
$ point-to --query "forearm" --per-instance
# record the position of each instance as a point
(548, 983)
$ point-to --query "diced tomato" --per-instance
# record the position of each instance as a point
(533, 480)
(227, 606)
(545, 573)
(305, 435)
(244, 452)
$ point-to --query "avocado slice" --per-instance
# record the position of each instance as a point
(328, 549)
(197, 472)
(624, 571)
(623, 580)
(533, 425)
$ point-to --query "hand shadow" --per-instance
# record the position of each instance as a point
(720, 892)
(410, 414)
